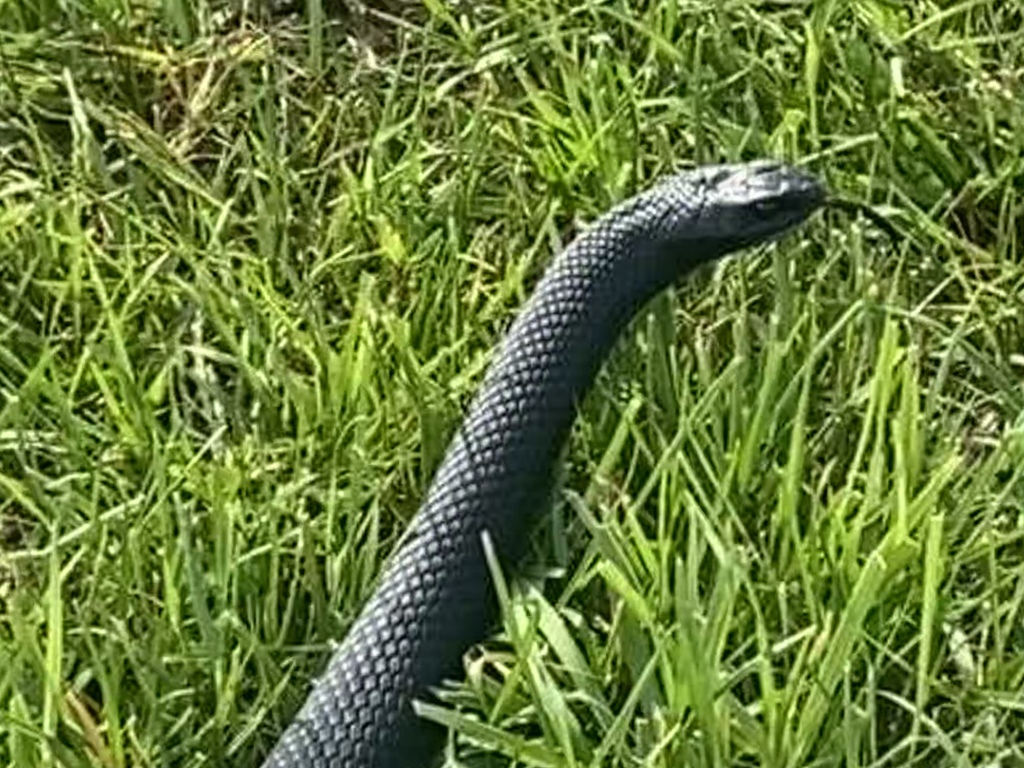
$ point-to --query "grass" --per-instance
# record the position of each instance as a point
(251, 270)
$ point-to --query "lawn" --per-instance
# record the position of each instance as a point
(253, 264)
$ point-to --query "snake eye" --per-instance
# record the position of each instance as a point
(768, 206)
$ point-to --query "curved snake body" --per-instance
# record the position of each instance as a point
(434, 597)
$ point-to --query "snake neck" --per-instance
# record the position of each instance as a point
(508, 445)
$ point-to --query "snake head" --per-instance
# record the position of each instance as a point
(737, 205)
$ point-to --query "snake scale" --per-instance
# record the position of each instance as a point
(435, 597)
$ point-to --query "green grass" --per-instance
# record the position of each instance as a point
(251, 271)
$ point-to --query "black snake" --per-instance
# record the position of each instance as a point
(435, 596)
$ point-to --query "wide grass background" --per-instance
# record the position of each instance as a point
(254, 259)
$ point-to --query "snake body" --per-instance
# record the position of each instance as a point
(435, 596)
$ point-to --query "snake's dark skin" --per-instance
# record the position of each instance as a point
(435, 598)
